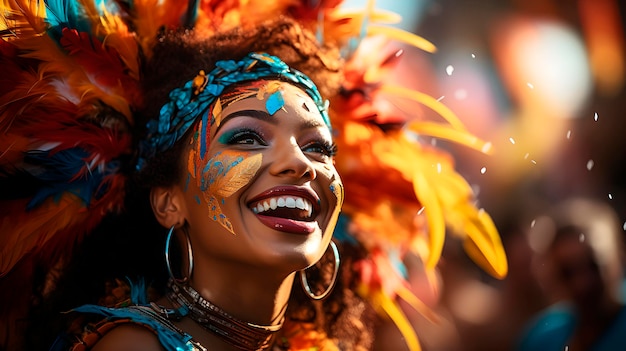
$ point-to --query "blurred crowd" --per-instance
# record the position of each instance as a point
(544, 82)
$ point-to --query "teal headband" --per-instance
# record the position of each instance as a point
(194, 99)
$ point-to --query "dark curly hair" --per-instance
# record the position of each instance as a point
(129, 244)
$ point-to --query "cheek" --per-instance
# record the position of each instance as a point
(220, 177)
(227, 172)
(331, 179)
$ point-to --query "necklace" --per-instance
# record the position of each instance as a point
(243, 335)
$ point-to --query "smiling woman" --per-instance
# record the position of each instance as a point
(255, 197)
(237, 168)
(169, 178)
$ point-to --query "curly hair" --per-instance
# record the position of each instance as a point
(343, 318)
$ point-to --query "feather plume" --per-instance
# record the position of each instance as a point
(23, 18)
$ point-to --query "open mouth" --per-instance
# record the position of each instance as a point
(287, 208)
(290, 207)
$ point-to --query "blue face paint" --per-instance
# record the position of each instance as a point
(274, 102)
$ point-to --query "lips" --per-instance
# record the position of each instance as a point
(287, 208)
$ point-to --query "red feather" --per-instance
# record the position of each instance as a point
(102, 64)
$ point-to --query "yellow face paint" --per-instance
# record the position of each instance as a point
(220, 176)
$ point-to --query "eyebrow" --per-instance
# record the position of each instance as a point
(266, 117)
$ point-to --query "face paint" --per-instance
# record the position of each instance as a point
(270, 91)
(224, 174)
(221, 176)
(336, 186)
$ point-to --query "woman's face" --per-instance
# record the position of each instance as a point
(260, 186)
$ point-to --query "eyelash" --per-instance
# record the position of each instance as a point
(325, 147)
(238, 137)
(241, 135)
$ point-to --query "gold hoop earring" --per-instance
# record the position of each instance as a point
(305, 282)
(189, 256)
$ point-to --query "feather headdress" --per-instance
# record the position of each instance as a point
(69, 84)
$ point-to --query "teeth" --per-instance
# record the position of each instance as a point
(300, 203)
(284, 201)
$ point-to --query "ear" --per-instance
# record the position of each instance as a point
(168, 206)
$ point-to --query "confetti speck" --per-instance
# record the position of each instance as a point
(530, 85)
(526, 156)
(534, 162)
(486, 147)
(421, 210)
(624, 226)
(532, 224)
(589, 165)
(441, 97)
(581, 237)
(569, 134)
(449, 70)
(483, 170)
(473, 56)
(512, 140)
(610, 196)
(595, 116)
(438, 167)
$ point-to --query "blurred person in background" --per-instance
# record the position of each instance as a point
(579, 264)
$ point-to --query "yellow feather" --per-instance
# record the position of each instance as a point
(377, 16)
(417, 304)
(484, 246)
(434, 214)
(427, 101)
(25, 18)
(399, 318)
(403, 36)
(461, 137)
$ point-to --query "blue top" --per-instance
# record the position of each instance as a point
(140, 313)
(554, 327)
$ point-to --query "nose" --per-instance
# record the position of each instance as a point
(290, 161)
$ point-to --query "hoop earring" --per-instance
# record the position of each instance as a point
(189, 256)
(305, 282)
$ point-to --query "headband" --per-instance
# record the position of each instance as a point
(195, 98)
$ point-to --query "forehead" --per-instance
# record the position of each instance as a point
(275, 98)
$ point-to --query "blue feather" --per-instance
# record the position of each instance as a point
(55, 173)
(65, 14)
(169, 338)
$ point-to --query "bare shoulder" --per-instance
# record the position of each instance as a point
(129, 337)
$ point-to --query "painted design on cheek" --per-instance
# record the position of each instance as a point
(223, 175)
(337, 189)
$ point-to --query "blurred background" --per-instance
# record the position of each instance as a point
(544, 82)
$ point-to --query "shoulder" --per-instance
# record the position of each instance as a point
(129, 337)
(548, 330)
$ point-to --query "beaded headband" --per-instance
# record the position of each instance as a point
(194, 99)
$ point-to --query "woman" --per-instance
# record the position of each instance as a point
(257, 197)
(249, 191)
(133, 119)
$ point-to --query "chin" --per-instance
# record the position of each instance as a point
(292, 254)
